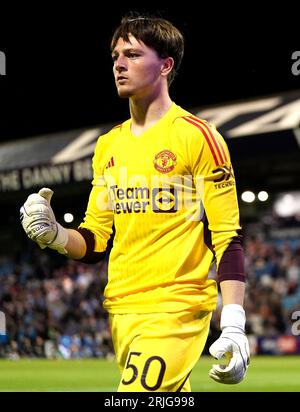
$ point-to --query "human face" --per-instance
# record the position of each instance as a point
(137, 68)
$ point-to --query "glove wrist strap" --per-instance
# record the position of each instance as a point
(233, 315)
(60, 240)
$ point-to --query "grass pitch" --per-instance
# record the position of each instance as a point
(265, 374)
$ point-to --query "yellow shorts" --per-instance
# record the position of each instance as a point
(157, 351)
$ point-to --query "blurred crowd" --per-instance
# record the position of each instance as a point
(53, 306)
(272, 299)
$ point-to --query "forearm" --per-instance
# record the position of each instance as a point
(76, 245)
(233, 291)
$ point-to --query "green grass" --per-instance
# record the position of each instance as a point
(266, 374)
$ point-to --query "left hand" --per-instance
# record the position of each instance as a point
(232, 343)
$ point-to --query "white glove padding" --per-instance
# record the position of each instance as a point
(233, 344)
(39, 222)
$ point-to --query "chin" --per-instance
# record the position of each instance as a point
(124, 93)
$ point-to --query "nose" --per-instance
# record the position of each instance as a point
(120, 64)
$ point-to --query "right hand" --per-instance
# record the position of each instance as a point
(39, 223)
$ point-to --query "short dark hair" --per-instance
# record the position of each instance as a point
(155, 32)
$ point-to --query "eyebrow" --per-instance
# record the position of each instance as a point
(128, 49)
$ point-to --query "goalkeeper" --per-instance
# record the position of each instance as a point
(164, 192)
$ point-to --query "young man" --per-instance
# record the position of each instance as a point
(164, 180)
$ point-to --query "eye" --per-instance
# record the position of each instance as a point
(133, 55)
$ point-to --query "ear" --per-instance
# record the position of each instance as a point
(167, 66)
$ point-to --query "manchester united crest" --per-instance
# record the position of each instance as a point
(164, 161)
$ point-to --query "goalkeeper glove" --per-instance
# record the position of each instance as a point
(232, 343)
(39, 222)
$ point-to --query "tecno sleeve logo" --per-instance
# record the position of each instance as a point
(164, 200)
(224, 173)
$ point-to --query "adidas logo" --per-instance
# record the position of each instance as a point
(111, 163)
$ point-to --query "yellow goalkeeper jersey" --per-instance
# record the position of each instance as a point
(170, 194)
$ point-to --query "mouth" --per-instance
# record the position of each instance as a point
(121, 78)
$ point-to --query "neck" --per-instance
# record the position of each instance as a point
(146, 111)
